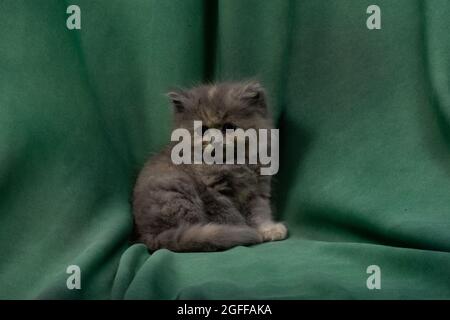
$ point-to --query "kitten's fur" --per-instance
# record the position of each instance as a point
(200, 207)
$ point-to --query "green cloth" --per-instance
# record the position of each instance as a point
(364, 118)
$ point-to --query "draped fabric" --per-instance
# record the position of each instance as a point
(364, 119)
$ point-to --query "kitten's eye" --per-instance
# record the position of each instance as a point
(204, 129)
(228, 126)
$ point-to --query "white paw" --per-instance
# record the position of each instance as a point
(273, 231)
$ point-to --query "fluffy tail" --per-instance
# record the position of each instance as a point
(203, 237)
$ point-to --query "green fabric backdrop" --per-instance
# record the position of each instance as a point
(364, 118)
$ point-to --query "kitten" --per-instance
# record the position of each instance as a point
(207, 207)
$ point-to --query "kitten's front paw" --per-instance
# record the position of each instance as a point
(273, 231)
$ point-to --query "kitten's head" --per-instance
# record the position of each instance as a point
(222, 106)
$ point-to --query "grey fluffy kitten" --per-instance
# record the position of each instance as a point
(201, 207)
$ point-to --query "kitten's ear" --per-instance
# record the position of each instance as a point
(253, 92)
(178, 99)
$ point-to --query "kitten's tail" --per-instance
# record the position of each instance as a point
(203, 237)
